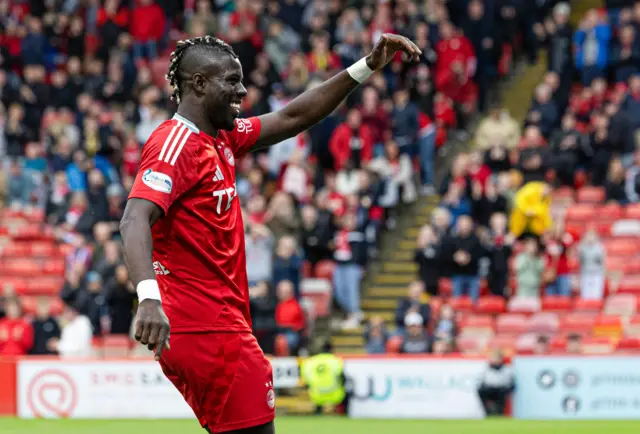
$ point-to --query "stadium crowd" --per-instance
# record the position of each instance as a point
(508, 239)
(82, 87)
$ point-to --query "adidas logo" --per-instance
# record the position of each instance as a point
(218, 176)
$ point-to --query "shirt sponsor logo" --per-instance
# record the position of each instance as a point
(160, 269)
(157, 181)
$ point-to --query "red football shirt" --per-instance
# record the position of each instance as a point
(198, 245)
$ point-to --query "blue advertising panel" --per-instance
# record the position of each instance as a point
(577, 387)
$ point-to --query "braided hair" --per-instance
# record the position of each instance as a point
(203, 42)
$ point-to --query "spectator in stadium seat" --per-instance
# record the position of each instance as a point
(486, 203)
(414, 302)
(602, 149)
(16, 333)
(287, 264)
(281, 216)
(529, 267)
(34, 43)
(441, 220)
(559, 44)
(541, 345)
(592, 266)
(544, 110)
(45, 328)
(499, 247)
(120, 296)
(290, 318)
(262, 304)
(574, 344)
(446, 329)
(427, 256)
(631, 102)
(497, 128)
(416, 340)
(463, 250)
(75, 337)
(93, 303)
(496, 384)
(16, 132)
(350, 256)
(531, 213)
(404, 121)
(376, 336)
(374, 117)
(259, 246)
(591, 46)
(615, 184)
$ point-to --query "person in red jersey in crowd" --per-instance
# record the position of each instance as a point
(184, 237)
(16, 333)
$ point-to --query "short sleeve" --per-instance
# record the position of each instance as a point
(244, 136)
(167, 167)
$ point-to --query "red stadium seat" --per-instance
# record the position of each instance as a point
(621, 247)
(525, 343)
(18, 284)
(556, 304)
(597, 345)
(461, 304)
(562, 195)
(45, 285)
(15, 250)
(628, 345)
(558, 344)
(491, 304)
(324, 270)
(56, 306)
(623, 305)
(21, 267)
(591, 194)
(477, 325)
(610, 211)
(506, 343)
(544, 323)
(632, 211)
(28, 305)
(581, 212)
(524, 305)
(629, 284)
(116, 346)
(576, 322)
(53, 266)
(512, 324)
(471, 345)
(43, 249)
(320, 293)
(607, 326)
(626, 227)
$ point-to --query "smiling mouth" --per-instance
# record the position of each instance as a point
(236, 107)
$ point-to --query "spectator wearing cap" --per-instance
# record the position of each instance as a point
(16, 333)
(45, 329)
(531, 212)
(416, 340)
(463, 250)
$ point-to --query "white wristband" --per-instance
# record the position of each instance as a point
(148, 289)
(360, 71)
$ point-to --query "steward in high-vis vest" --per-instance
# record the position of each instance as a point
(325, 379)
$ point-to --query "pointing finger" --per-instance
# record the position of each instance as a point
(163, 343)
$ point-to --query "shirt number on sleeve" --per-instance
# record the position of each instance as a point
(229, 193)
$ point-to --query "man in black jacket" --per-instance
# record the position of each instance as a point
(463, 250)
(412, 303)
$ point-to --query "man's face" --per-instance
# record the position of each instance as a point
(223, 91)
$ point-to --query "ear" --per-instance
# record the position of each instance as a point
(199, 83)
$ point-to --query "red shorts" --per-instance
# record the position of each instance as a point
(224, 377)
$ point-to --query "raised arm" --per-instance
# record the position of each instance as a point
(151, 324)
(317, 103)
